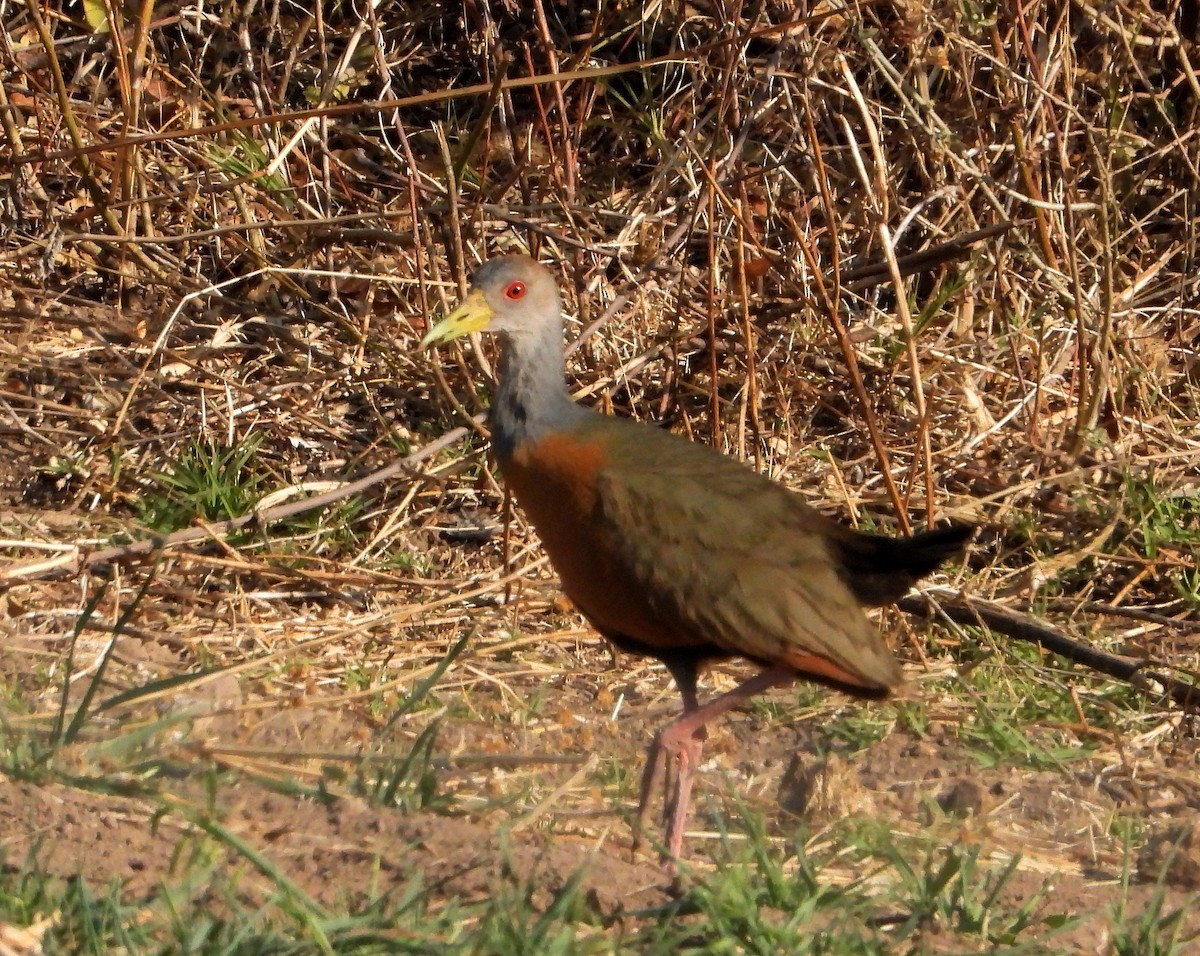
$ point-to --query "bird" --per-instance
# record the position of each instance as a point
(674, 550)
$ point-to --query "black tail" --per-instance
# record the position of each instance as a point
(880, 570)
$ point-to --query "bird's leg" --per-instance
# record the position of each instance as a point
(683, 739)
(677, 775)
(655, 773)
(652, 775)
(678, 791)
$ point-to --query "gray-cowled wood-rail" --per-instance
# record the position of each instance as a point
(674, 550)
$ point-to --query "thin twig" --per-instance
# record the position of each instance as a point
(974, 612)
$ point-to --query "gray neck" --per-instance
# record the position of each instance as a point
(532, 400)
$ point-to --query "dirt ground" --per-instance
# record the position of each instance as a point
(548, 816)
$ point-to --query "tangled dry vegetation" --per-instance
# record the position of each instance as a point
(915, 259)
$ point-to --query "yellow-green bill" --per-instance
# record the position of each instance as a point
(472, 315)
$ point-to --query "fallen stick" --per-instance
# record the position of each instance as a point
(974, 612)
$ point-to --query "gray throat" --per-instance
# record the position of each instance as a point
(532, 400)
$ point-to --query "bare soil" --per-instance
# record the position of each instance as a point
(544, 822)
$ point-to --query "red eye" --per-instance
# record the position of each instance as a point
(515, 290)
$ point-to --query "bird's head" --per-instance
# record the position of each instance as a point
(513, 295)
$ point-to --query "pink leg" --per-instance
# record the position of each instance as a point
(681, 743)
(654, 774)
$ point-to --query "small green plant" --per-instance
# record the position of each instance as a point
(1161, 517)
(760, 901)
(247, 159)
(411, 781)
(994, 739)
(859, 729)
(207, 481)
(1156, 929)
(617, 777)
(517, 923)
(326, 532)
(953, 890)
(1188, 585)
(946, 291)
(407, 561)
(912, 716)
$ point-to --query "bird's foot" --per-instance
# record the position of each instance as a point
(652, 776)
(671, 762)
(683, 747)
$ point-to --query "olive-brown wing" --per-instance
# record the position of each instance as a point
(727, 554)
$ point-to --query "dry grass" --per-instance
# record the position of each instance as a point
(225, 231)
